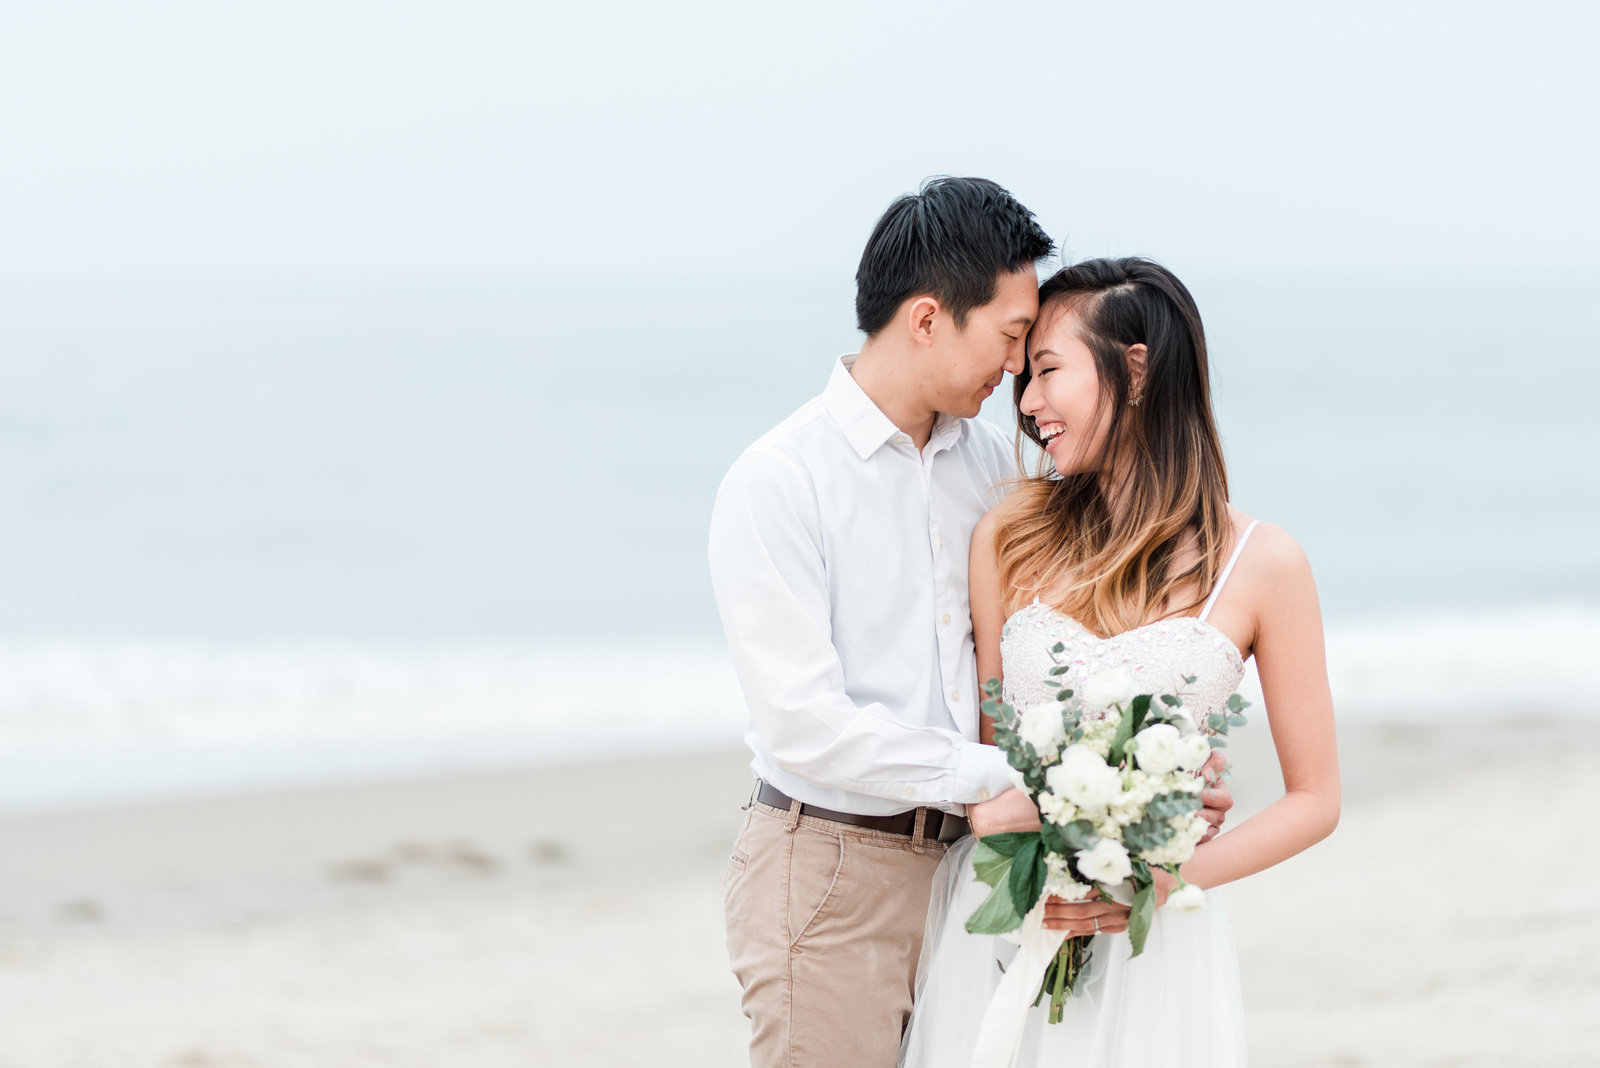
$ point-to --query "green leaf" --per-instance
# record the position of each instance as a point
(1027, 877)
(1059, 669)
(989, 864)
(996, 915)
(1009, 843)
(1171, 701)
(1068, 838)
(1216, 721)
(1235, 703)
(1219, 743)
(1128, 727)
(1058, 647)
(1062, 695)
(1144, 907)
(992, 687)
(1237, 720)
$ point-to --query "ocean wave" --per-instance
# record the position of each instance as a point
(84, 723)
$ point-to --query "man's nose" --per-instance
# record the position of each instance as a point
(1016, 362)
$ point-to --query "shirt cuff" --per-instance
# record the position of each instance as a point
(981, 773)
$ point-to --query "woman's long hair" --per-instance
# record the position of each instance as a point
(1103, 543)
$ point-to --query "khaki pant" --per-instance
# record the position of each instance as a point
(825, 925)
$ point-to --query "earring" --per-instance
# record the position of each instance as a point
(1133, 401)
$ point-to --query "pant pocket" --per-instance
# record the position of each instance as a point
(816, 872)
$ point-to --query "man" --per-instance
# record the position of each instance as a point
(839, 547)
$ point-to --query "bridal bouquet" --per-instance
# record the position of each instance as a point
(1112, 772)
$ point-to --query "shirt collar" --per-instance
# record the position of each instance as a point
(863, 422)
(865, 426)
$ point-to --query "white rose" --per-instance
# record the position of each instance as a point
(1043, 727)
(1113, 686)
(1106, 862)
(1084, 779)
(1158, 748)
(1187, 898)
(1018, 781)
(1193, 752)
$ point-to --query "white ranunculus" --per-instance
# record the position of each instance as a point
(1158, 748)
(1084, 779)
(1187, 898)
(1193, 752)
(1113, 686)
(1105, 862)
(1044, 727)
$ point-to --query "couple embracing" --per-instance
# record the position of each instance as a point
(878, 555)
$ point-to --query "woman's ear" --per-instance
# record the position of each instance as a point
(1136, 356)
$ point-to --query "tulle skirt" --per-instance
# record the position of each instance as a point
(1177, 1004)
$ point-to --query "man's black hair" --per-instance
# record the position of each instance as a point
(951, 239)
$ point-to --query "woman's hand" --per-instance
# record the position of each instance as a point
(1215, 797)
(1089, 917)
(1011, 811)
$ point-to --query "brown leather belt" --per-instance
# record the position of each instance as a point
(940, 826)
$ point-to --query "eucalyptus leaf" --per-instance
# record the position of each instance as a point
(1235, 703)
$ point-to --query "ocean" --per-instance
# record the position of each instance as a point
(262, 534)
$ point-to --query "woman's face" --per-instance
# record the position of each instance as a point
(1063, 395)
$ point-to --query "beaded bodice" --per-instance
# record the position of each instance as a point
(1162, 653)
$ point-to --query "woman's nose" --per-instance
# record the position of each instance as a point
(1030, 403)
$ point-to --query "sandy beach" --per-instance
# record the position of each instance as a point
(572, 916)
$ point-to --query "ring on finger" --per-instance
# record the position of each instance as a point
(1097, 925)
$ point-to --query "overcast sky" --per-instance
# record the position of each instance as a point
(474, 138)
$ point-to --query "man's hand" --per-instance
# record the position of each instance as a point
(1215, 797)
(1011, 811)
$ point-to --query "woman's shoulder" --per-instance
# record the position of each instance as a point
(1014, 504)
(1272, 553)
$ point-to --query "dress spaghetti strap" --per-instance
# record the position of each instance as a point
(1228, 570)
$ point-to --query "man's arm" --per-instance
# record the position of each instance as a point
(770, 581)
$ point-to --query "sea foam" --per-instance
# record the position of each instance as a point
(96, 723)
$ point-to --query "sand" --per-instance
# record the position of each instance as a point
(572, 916)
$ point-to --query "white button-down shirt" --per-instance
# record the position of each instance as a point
(839, 562)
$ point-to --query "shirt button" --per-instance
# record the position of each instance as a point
(983, 794)
(955, 695)
(941, 543)
(947, 617)
(911, 791)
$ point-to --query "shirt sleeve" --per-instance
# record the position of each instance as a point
(769, 575)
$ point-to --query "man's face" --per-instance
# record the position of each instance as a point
(969, 363)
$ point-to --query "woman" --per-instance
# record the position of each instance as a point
(1126, 550)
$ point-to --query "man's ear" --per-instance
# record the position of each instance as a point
(1136, 355)
(920, 315)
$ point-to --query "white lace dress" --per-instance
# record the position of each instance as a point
(1178, 1003)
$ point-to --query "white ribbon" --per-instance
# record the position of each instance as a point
(1003, 1021)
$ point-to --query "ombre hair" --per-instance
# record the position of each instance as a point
(1103, 543)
